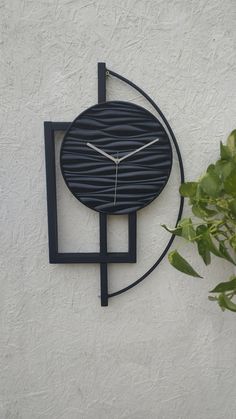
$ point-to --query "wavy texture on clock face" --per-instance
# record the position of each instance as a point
(118, 128)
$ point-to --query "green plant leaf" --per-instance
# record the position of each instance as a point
(230, 184)
(177, 231)
(224, 251)
(222, 204)
(188, 189)
(231, 142)
(226, 286)
(213, 249)
(188, 231)
(204, 251)
(200, 210)
(225, 153)
(211, 298)
(223, 169)
(210, 184)
(202, 230)
(211, 169)
(200, 194)
(181, 264)
(226, 303)
(232, 207)
(233, 242)
(184, 229)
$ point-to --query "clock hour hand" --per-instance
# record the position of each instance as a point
(138, 149)
(102, 152)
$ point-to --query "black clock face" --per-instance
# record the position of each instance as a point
(116, 157)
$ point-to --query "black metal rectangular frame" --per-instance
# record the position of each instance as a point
(103, 257)
(55, 256)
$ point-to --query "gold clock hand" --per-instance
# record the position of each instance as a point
(101, 152)
(138, 149)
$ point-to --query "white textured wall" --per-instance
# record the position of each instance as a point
(160, 351)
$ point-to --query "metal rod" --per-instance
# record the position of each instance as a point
(101, 82)
(103, 266)
(133, 235)
(103, 217)
(51, 191)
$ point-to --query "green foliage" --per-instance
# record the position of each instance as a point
(212, 229)
(181, 264)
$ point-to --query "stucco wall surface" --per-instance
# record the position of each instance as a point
(160, 351)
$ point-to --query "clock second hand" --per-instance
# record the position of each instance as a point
(116, 178)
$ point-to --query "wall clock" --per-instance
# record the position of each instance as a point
(115, 158)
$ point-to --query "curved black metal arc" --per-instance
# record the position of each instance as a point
(112, 73)
(156, 263)
(133, 284)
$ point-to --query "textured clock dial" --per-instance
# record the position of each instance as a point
(116, 128)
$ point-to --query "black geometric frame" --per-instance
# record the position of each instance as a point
(103, 257)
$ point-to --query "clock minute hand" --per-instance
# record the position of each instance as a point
(138, 149)
(102, 152)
